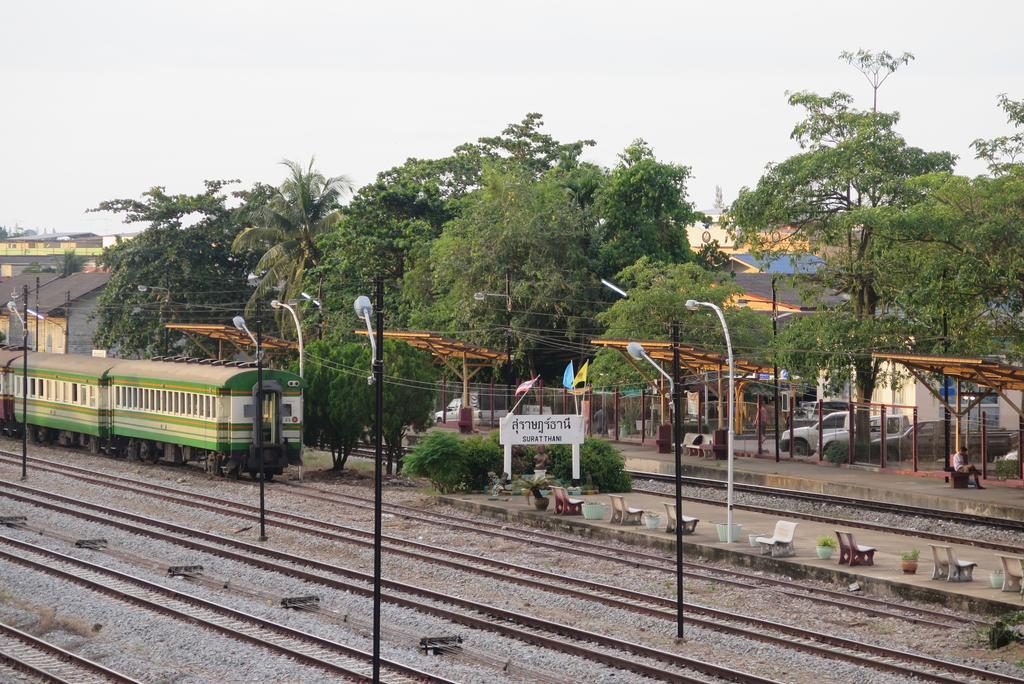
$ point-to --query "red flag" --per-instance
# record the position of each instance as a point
(525, 386)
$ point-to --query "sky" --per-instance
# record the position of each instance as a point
(105, 99)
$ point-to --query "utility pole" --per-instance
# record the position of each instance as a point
(378, 476)
(677, 429)
(945, 392)
(37, 313)
(259, 419)
(67, 321)
(775, 368)
(508, 342)
(24, 386)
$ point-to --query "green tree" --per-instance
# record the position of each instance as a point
(195, 263)
(840, 196)
(532, 229)
(410, 391)
(286, 228)
(338, 407)
(643, 210)
(657, 296)
(70, 263)
(876, 67)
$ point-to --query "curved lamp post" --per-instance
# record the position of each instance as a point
(693, 305)
(290, 307)
(240, 324)
(364, 309)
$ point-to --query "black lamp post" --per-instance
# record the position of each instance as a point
(13, 308)
(258, 341)
(364, 310)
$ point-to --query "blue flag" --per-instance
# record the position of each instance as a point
(568, 377)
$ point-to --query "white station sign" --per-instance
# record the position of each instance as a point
(542, 430)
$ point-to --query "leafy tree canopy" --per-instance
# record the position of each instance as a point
(841, 199)
(657, 296)
(643, 210)
(194, 263)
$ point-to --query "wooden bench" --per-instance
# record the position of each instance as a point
(957, 480)
(1013, 571)
(564, 505)
(781, 542)
(851, 553)
(622, 513)
(950, 568)
(689, 524)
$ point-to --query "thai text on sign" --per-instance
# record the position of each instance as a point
(566, 429)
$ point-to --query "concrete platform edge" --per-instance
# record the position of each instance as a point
(791, 567)
(872, 492)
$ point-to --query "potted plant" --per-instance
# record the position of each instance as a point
(538, 488)
(909, 561)
(826, 547)
(593, 510)
(652, 520)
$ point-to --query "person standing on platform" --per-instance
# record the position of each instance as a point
(960, 465)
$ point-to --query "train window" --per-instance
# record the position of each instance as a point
(117, 397)
(74, 393)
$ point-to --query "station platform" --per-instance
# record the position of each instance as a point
(999, 499)
(884, 578)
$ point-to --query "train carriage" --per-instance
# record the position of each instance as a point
(174, 410)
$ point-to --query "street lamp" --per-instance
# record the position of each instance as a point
(290, 307)
(364, 309)
(636, 350)
(258, 341)
(693, 305)
(13, 308)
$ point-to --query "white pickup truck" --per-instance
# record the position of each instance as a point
(836, 427)
(451, 413)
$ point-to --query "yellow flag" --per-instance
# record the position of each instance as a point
(581, 375)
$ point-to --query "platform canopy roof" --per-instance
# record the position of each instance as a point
(986, 371)
(445, 348)
(222, 332)
(696, 358)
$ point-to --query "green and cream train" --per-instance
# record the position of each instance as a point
(178, 410)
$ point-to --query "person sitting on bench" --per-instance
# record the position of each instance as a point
(960, 465)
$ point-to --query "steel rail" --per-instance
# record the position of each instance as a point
(796, 638)
(214, 616)
(834, 598)
(507, 623)
(40, 658)
(881, 506)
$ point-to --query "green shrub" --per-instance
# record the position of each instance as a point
(479, 457)
(911, 555)
(1006, 469)
(1006, 630)
(599, 459)
(453, 464)
(439, 457)
(837, 453)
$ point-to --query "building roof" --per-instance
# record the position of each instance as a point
(11, 288)
(54, 294)
(696, 358)
(784, 264)
(986, 371)
(789, 298)
(51, 237)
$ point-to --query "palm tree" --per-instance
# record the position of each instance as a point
(304, 207)
(70, 263)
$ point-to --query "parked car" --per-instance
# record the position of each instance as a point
(451, 412)
(836, 427)
(809, 409)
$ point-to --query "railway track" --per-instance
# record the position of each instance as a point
(616, 653)
(869, 655)
(510, 572)
(333, 657)
(882, 507)
(40, 659)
